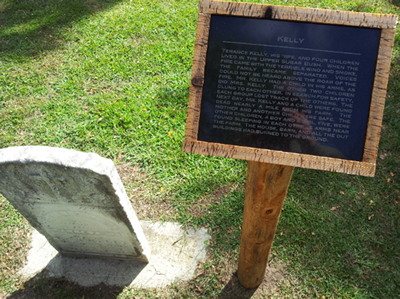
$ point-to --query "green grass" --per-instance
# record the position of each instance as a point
(112, 77)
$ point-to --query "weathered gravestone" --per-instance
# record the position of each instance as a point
(76, 200)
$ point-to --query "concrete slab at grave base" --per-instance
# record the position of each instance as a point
(174, 257)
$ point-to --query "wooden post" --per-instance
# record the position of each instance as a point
(266, 189)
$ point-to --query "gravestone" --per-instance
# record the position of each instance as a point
(75, 199)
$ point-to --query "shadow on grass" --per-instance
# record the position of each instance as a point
(233, 289)
(274, 274)
(43, 287)
(29, 27)
(56, 280)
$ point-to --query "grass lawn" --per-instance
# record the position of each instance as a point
(112, 77)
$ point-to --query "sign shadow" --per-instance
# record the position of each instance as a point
(233, 289)
(274, 275)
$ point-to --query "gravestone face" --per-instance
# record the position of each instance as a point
(75, 199)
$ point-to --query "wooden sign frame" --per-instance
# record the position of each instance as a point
(365, 167)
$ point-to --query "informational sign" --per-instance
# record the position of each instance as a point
(290, 86)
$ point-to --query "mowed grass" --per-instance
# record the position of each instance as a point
(112, 77)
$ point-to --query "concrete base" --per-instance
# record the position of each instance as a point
(174, 257)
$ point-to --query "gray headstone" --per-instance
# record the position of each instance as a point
(76, 200)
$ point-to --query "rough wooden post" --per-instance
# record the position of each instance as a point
(266, 188)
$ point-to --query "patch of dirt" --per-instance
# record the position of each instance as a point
(130, 173)
(200, 207)
(226, 272)
(147, 201)
(221, 192)
(274, 275)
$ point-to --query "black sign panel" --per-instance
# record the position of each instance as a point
(288, 86)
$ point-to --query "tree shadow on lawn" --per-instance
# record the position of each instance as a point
(29, 27)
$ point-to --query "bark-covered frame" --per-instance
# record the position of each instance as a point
(291, 86)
